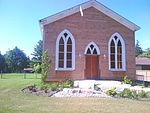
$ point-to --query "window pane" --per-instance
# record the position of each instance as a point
(112, 64)
(69, 56)
(88, 51)
(69, 48)
(94, 52)
(61, 41)
(115, 37)
(61, 53)
(119, 65)
(119, 55)
(112, 49)
(112, 54)
(61, 60)
(69, 64)
(119, 43)
(119, 50)
(61, 48)
(112, 43)
(69, 45)
(61, 63)
(65, 34)
(61, 45)
(69, 41)
(119, 58)
(119, 47)
(91, 46)
(112, 58)
(61, 56)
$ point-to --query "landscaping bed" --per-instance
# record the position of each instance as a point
(89, 88)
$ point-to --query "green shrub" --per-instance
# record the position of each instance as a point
(46, 86)
(126, 80)
(140, 84)
(66, 84)
(43, 86)
(134, 95)
(148, 86)
(143, 94)
(111, 92)
(120, 94)
(127, 93)
(45, 66)
(54, 86)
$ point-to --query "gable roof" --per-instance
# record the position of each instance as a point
(142, 61)
(91, 3)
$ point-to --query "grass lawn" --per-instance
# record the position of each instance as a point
(12, 100)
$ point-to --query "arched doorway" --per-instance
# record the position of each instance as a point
(92, 53)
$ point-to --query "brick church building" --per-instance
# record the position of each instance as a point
(89, 41)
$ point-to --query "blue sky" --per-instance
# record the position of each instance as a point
(19, 19)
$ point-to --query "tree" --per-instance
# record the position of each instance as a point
(16, 60)
(38, 49)
(37, 68)
(37, 59)
(2, 63)
(138, 49)
(146, 53)
(45, 65)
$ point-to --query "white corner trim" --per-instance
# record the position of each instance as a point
(95, 47)
(98, 6)
(65, 50)
(123, 52)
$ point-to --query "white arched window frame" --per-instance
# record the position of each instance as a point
(92, 49)
(123, 58)
(65, 39)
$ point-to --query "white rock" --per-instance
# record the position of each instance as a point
(136, 88)
(86, 88)
(146, 89)
(85, 84)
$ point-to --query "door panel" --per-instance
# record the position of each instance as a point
(92, 67)
(95, 67)
(88, 67)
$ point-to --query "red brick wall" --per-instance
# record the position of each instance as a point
(93, 26)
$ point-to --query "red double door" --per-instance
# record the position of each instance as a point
(92, 67)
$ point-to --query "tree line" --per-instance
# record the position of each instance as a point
(139, 52)
(15, 60)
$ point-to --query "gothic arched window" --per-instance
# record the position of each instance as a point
(116, 53)
(65, 51)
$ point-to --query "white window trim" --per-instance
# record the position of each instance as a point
(65, 50)
(123, 52)
(95, 47)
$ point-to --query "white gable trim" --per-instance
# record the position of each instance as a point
(98, 6)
